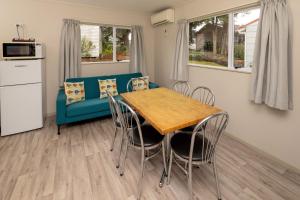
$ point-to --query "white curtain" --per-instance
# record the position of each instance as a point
(180, 69)
(137, 51)
(272, 70)
(70, 50)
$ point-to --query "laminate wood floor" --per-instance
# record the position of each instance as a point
(78, 165)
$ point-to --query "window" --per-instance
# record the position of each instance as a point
(245, 27)
(226, 40)
(123, 38)
(208, 42)
(104, 43)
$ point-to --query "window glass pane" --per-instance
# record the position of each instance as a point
(245, 27)
(96, 43)
(123, 39)
(106, 48)
(89, 41)
(208, 41)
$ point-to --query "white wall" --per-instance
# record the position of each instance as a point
(43, 21)
(274, 132)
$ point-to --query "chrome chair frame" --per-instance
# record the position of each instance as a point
(112, 105)
(204, 95)
(117, 123)
(182, 87)
(129, 84)
(220, 121)
(146, 152)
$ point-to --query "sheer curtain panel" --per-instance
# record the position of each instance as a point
(70, 50)
(272, 69)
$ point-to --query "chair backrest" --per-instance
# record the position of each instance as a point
(129, 84)
(182, 87)
(112, 105)
(210, 131)
(204, 95)
(129, 119)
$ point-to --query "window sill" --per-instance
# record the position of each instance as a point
(105, 62)
(241, 70)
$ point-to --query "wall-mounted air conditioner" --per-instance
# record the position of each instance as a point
(163, 17)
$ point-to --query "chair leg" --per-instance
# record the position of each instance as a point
(121, 148)
(217, 180)
(164, 156)
(190, 181)
(140, 183)
(124, 160)
(58, 129)
(170, 166)
(114, 138)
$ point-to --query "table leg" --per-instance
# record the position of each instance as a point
(164, 174)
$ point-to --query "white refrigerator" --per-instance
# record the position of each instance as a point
(21, 95)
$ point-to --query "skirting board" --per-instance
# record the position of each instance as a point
(50, 116)
(269, 156)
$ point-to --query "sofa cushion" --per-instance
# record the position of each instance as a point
(108, 85)
(141, 83)
(89, 106)
(74, 92)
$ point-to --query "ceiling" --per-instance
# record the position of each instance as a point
(148, 6)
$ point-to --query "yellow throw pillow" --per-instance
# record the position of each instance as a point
(74, 92)
(108, 85)
(141, 83)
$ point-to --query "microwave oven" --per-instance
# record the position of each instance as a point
(22, 50)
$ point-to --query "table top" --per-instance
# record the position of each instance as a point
(167, 110)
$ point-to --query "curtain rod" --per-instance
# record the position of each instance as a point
(100, 24)
(218, 13)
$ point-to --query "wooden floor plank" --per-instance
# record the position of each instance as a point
(78, 164)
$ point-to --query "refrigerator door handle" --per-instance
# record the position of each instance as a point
(20, 65)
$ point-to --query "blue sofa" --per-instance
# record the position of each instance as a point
(93, 106)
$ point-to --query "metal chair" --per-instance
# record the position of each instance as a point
(205, 96)
(182, 87)
(129, 84)
(117, 123)
(144, 138)
(198, 148)
(112, 105)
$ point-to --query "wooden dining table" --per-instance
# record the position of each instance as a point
(167, 111)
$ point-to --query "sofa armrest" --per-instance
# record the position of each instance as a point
(153, 85)
(61, 107)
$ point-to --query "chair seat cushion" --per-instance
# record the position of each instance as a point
(191, 128)
(188, 129)
(89, 106)
(150, 136)
(181, 143)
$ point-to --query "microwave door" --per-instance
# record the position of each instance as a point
(18, 50)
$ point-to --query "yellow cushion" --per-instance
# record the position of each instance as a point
(74, 92)
(141, 83)
(109, 85)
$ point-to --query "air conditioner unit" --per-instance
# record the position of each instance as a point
(163, 17)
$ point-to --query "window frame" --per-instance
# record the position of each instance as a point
(114, 41)
(230, 13)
